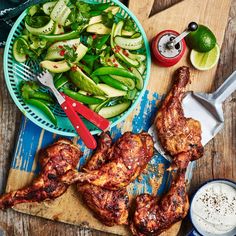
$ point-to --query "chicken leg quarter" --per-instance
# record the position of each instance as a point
(179, 136)
(55, 161)
(110, 207)
(128, 157)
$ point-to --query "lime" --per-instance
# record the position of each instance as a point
(205, 61)
(201, 40)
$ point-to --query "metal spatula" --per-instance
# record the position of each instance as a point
(206, 108)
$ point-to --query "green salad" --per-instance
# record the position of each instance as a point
(96, 56)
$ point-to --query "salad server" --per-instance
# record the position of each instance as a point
(69, 105)
(69, 108)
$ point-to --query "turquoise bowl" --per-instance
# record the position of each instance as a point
(64, 126)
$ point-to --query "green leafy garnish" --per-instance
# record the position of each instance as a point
(108, 19)
(129, 25)
(30, 89)
(70, 54)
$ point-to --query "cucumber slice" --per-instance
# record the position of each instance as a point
(136, 35)
(93, 106)
(47, 29)
(139, 78)
(141, 68)
(129, 43)
(131, 94)
(58, 29)
(17, 49)
(48, 7)
(63, 16)
(33, 9)
(110, 91)
(112, 111)
(138, 57)
(126, 33)
(98, 28)
(129, 83)
(116, 31)
(60, 12)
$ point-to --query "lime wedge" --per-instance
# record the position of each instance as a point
(205, 61)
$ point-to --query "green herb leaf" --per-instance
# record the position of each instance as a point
(129, 25)
(108, 19)
(70, 54)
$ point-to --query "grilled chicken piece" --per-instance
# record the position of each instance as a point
(153, 216)
(110, 207)
(128, 157)
(179, 136)
(55, 161)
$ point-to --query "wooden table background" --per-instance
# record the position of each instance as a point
(219, 160)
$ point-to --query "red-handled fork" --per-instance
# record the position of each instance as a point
(71, 107)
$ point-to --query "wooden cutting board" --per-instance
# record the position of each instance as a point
(68, 208)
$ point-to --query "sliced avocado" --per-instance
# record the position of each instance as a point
(98, 28)
(55, 54)
(83, 82)
(69, 43)
(95, 19)
(113, 9)
(55, 67)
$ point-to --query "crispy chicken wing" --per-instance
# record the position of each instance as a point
(128, 157)
(110, 207)
(55, 161)
(153, 216)
(179, 136)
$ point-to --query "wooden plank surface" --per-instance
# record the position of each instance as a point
(219, 159)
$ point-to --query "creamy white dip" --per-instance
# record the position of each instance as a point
(213, 209)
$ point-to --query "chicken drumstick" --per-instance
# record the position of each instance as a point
(152, 216)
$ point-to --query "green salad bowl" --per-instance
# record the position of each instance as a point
(64, 127)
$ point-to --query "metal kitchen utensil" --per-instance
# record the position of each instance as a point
(206, 108)
(46, 79)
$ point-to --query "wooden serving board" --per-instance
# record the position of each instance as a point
(69, 208)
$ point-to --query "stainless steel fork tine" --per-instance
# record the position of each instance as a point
(23, 73)
(23, 77)
(21, 69)
(25, 67)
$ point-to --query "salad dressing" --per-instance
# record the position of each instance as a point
(214, 209)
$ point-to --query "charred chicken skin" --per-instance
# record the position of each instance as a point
(110, 207)
(55, 161)
(179, 136)
(127, 158)
(153, 216)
